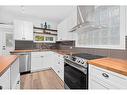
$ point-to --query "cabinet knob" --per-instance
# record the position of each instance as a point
(58, 62)
(58, 71)
(105, 75)
(1, 87)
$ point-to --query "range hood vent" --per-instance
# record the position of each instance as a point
(86, 16)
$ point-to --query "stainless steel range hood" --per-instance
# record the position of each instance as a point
(86, 19)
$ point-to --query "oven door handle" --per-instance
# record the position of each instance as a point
(82, 69)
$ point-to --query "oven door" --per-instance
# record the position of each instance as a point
(74, 78)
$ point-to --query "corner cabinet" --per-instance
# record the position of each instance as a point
(104, 79)
(106, 28)
(47, 60)
(23, 30)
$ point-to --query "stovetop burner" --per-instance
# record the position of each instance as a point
(87, 56)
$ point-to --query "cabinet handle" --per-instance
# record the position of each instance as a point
(105, 75)
(1, 87)
(42, 56)
(23, 38)
(4, 47)
(18, 82)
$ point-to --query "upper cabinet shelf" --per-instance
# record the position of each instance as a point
(45, 33)
(53, 30)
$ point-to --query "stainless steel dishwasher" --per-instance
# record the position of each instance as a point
(24, 62)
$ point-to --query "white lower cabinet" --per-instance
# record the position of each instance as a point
(5, 80)
(95, 85)
(15, 75)
(41, 60)
(11, 78)
(47, 59)
(104, 79)
(36, 63)
(58, 65)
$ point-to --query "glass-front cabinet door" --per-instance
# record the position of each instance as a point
(8, 43)
(43, 38)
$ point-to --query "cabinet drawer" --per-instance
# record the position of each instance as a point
(60, 56)
(61, 63)
(112, 78)
(38, 54)
(95, 85)
(59, 72)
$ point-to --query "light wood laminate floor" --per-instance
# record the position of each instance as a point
(46, 79)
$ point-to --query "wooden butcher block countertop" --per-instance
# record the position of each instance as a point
(5, 62)
(19, 51)
(63, 52)
(115, 65)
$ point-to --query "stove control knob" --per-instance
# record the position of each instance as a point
(78, 61)
(82, 62)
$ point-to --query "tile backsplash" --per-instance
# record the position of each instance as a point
(114, 53)
(31, 45)
(23, 44)
(66, 45)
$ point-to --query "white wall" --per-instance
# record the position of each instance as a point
(8, 17)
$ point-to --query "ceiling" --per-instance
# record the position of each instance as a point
(52, 13)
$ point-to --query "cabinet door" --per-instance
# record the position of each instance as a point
(48, 60)
(0, 42)
(95, 85)
(36, 63)
(66, 25)
(18, 30)
(58, 65)
(5, 80)
(15, 75)
(28, 30)
(62, 30)
(8, 42)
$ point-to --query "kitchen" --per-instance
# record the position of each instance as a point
(63, 47)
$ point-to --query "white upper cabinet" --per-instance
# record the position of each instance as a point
(66, 25)
(23, 30)
(28, 30)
